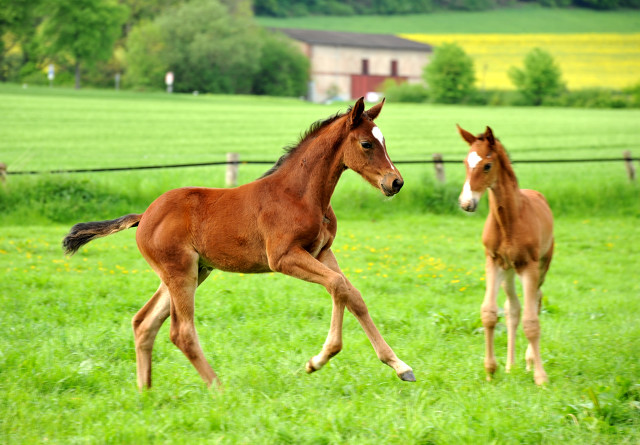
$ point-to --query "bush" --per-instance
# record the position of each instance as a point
(450, 75)
(634, 94)
(591, 98)
(539, 79)
(404, 92)
(283, 69)
(62, 199)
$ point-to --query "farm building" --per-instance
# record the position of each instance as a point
(349, 65)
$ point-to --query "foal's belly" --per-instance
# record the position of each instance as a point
(232, 252)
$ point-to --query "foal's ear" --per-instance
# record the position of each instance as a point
(488, 133)
(374, 111)
(466, 135)
(356, 113)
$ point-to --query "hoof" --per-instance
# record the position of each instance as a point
(407, 376)
(541, 380)
(309, 367)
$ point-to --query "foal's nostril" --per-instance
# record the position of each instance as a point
(397, 185)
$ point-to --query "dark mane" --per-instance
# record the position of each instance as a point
(311, 133)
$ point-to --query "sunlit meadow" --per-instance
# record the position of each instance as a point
(67, 360)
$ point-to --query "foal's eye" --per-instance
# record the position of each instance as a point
(366, 144)
(487, 167)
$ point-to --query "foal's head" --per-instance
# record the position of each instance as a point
(482, 167)
(365, 150)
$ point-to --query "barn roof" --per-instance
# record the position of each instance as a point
(352, 39)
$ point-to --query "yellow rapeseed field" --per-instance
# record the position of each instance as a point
(586, 60)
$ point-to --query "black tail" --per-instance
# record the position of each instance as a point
(82, 233)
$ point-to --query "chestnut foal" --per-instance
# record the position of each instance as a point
(518, 239)
(281, 222)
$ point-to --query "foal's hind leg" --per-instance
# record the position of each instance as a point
(182, 287)
(146, 324)
(531, 321)
(512, 314)
(529, 355)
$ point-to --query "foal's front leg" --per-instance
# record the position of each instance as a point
(300, 264)
(489, 313)
(333, 343)
(512, 314)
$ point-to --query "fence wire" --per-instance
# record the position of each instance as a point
(207, 164)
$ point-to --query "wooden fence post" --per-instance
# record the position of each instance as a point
(3, 172)
(628, 160)
(439, 166)
(232, 169)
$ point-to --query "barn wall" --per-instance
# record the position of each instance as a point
(333, 66)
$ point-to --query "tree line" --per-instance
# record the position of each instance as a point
(295, 8)
(212, 46)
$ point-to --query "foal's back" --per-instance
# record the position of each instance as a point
(218, 228)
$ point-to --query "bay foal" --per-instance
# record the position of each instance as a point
(518, 239)
(282, 222)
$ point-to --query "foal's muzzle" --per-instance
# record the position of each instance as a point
(468, 206)
(391, 184)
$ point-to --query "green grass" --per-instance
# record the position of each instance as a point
(66, 354)
(521, 19)
(47, 129)
(68, 366)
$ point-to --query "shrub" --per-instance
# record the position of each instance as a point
(634, 94)
(283, 69)
(404, 92)
(591, 98)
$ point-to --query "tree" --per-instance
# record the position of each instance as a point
(208, 49)
(450, 75)
(540, 77)
(19, 20)
(84, 30)
(214, 48)
(146, 64)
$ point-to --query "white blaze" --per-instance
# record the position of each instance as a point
(378, 135)
(473, 160)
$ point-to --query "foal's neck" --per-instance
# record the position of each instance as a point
(314, 169)
(504, 196)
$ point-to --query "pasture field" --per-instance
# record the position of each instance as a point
(68, 364)
(67, 359)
